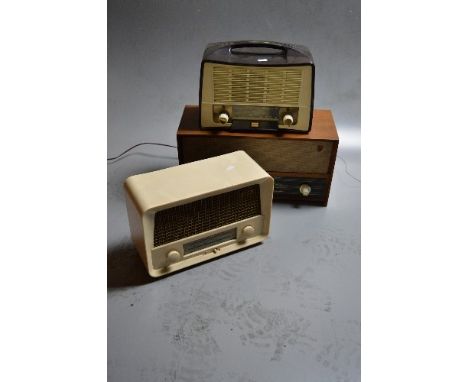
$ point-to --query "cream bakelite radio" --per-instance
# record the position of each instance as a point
(257, 86)
(188, 214)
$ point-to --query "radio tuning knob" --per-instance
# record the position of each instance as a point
(223, 118)
(173, 256)
(288, 119)
(305, 189)
(248, 230)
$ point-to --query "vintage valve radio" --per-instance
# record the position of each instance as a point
(184, 215)
(257, 86)
(301, 164)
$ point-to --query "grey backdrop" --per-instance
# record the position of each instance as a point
(288, 309)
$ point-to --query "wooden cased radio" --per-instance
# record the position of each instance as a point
(301, 164)
(257, 86)
(188, 214)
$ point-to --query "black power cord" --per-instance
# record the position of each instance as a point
(141, 144)
(347, 172)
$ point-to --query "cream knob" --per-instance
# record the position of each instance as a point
(248, 230)
(288, 120)
(223, 118)
(173, 256)
(305, 189)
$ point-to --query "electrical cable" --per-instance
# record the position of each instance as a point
(141, 144)
(347, 172)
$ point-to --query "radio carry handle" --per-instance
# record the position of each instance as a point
(274, 48)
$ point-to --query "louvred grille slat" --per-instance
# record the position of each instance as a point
(233, 84)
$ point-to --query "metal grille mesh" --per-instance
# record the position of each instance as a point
(234, 84)
(205, 214)
(279, 155)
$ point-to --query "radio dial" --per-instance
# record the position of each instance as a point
(288, 120)
(248, 230)
(173, 256)
(223, 118)
(305, 189)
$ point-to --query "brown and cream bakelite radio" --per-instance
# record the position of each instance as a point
(301, 164)
(256, 86)
(184, 215)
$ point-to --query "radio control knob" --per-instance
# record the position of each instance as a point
(305, 189)
(288, 119)
(173, 256)
(248, 230)
(223, 118)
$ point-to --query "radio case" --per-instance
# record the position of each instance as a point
(256, 86)
(188, 214)
(301, 164)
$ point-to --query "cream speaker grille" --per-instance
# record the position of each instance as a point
(206, 214)
(252, 85)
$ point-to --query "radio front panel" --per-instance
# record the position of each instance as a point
(206, 214)
(257, 99)
(256, 86)
(301, 188)
(207, 245)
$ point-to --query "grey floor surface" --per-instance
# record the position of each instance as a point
(286, 310)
